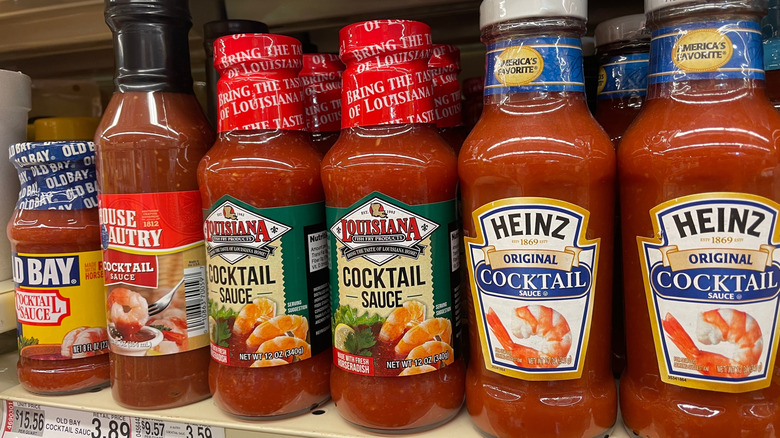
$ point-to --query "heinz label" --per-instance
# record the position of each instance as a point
(532, 275)
(706, 50)
(268, 283)
(59, 305)
(394, 274)
(712, 278)
(155, 272)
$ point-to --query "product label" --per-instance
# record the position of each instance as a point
(258, 86)
(395, 275)
(59, 305)
(447, 99)
(155, 272)
(532, 275)
(623, 76)
(268, 283)
(712, 278)
(388, 82)
(322, 93)
(534, 64)
(55, 175)
(706, 50)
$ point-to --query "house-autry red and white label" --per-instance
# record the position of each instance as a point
(387, 79)
(234, 233)
(155, 272)
(379, 231)
(258, 86)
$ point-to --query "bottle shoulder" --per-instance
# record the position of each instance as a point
(392, 145)
(267, 149)
(510, 132)
(745, 124)
(153, 119)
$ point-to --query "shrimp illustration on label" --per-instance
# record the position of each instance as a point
(534, 321)
(128, 311)
(713, 327)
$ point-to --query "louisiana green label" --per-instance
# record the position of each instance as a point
(394, 286)
(268, 283)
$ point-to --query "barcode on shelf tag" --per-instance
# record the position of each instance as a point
(24, 420)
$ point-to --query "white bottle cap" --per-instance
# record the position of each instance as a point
(652, 5)
(625, 28)
(496, 11)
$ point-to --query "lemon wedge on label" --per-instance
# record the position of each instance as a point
(212, 328)
(340, 336)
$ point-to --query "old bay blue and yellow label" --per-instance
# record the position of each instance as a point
(534, 64)
(532, 274)
(60, 308)
(712, 278)
(623, 76)
(706, 50)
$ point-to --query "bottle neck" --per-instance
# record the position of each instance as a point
(322, 95)
(446, 97)
(705, 53)
(623, 72)
(389, 89)
(272, 100)
(151, 53)
(534, 59)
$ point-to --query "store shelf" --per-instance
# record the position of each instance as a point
(322, 423)
(7, 308)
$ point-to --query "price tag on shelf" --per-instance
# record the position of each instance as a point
(25, 420)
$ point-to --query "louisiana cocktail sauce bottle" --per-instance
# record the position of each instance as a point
(445, 66)
(622, 46)
(321, 75)
(390, 185)
(265, 236)
(537, 184)
(700, 194)
(148, 146)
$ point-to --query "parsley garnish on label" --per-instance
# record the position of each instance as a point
(222, 334)
(220, 330)
(358, 343)
(25, 342)
(349, 316)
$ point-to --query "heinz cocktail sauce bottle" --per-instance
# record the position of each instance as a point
(699, 189)
(537, 183)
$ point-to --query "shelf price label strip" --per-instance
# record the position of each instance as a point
(25, 420)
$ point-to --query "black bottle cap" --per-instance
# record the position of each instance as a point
(150, 44)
